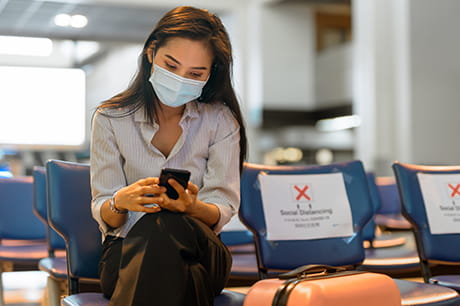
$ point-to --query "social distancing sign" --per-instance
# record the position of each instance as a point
(306, 206)
(441, 194)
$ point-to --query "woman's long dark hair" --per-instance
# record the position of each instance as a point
(196, 24)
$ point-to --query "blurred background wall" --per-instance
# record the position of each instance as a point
(318, 81)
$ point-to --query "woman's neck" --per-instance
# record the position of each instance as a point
(167, 113)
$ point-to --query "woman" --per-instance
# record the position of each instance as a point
(179, 112)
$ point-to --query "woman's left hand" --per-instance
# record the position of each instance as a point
(186, 200)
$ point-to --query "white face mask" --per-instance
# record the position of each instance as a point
(174, 90)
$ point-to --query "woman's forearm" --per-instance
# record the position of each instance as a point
(206, 212)
(112, 219)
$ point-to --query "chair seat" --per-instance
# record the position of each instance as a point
(229, 298)
(392, 221)
(398, 261)
(242, 248)
(236, 237)
(14, 242)
(55, 266)
(391, 260)
(451, 281)
(226, 298)
(385, 241)
(87, 298)
(244, 264)
(413, 293)
(24, 253)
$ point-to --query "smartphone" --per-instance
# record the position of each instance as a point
(180, 175)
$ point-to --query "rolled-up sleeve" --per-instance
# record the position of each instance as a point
(221, 182)
(106, 166)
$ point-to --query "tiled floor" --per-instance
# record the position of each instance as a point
(24, 288)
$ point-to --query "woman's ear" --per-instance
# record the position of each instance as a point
(149, 52)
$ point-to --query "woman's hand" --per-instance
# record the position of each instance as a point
(186, 200)
(134, 197)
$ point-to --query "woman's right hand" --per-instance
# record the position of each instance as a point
(134, 197)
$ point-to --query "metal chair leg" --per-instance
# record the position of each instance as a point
(54, 291)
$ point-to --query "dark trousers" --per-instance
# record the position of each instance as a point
(167, 259)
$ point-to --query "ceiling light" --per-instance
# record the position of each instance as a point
(79, 21)
(75, 21)
(29, 46)
(62, 20)
(338, 123)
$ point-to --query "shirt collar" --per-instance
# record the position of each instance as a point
(191, 111)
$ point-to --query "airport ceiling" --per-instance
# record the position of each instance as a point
(126, 21)
(106, 22)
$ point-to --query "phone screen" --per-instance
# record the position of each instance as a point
(180, 175)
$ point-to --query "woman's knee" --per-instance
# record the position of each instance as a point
(163, 222)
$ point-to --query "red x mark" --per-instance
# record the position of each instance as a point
(456, 190)
(302, 193)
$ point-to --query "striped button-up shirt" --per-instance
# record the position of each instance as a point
(122, 153)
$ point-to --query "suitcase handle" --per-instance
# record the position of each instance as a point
(311, 269)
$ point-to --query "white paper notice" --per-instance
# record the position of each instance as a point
(441, 194)
(301, 207)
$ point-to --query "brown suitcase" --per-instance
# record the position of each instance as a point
(320, 285)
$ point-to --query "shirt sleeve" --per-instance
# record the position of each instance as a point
(107, 174)
(221, 182)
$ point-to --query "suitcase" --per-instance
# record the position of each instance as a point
(321, 285)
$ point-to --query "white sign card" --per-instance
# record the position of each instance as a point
(441, 194)
(302, 207)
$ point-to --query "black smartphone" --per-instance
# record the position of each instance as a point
(180, 175)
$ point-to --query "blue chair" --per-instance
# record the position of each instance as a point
(384, 253)
(236, 238)
(241, 245)
(432, 248)
(290, 254)
(389, 214)
(55, 263)
(22, 234)
(238, 242)
(69, 214)
(392, 253)
(244, 265)
(369, 229)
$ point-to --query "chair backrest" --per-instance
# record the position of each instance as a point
(289, 254)
(436, 247)
(368, 232)
(17, 219)
(55, 241)
(239, 237)
(387, 189)
(69, 213)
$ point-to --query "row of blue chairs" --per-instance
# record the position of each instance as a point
(67, 197)
(61, 197)
(349, 251)
(23, 236)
